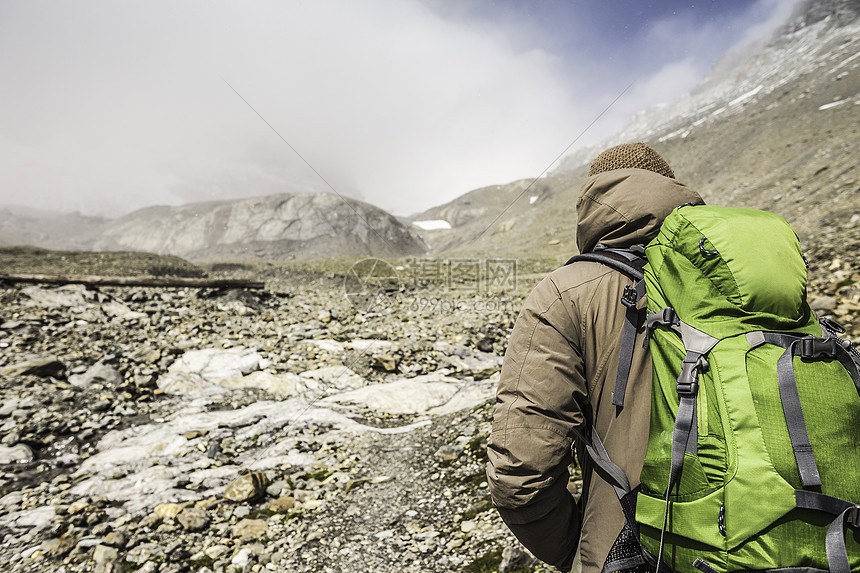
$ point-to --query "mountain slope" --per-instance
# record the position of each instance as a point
(778, 131)
(48, 229)
(271, 227)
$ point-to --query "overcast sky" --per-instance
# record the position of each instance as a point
(109, 106)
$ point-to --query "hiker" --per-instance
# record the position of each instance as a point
(559, 370)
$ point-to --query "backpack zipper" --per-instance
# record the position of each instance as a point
(721, 520)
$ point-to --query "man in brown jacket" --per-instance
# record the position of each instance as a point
(559, 372)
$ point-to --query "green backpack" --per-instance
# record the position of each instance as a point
(753, 460)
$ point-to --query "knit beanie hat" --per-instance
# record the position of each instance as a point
(631, 156)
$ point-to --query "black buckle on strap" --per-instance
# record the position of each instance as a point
(687, 388)
(628, 299)
(688, 380)
(666, 316)
(812, 347)
(853, 517)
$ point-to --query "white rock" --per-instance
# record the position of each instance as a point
(368, 345)
(329, 345)
(412, 396)
(242, 558)
(97, 373)
(334, 378)
(119, 310)
(286, 384)
(68, 296)
(19, 453)
(199, 370)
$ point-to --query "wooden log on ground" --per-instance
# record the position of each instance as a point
(133, 281)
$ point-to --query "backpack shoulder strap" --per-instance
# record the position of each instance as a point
(626, 261)
(630, 263)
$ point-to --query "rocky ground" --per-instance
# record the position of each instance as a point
(290, 429)
(311, 426)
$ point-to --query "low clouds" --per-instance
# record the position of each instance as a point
(108, 107)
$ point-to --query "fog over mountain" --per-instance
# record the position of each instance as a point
(775, 129)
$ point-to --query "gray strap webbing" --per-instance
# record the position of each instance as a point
(624, 564)
(816, 348)
(844, 357)
(627, 254)
(628, 341)
(812, 348)
(598, 453)
(794, 419)
(792, 408)
(685, 433)
(837, 552)
(846, 514)
(821, 502)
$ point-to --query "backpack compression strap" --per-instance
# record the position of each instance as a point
(846, 514)
(812, 348)
(629, 263)
(809, 348)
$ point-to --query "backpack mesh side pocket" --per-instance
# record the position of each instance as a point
(626, 554)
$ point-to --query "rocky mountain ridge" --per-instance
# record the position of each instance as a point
(269, 227)
(282, 226)
(777, 131)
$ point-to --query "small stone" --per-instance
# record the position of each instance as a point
(216, 551)
(78, 506)
(514, 558)
(144, 552)
(449, 453)
(104, 554)
(385, 362)
(242, 511)
(250, 529)
(213, 449)
(282, 505)
(242, 559)
(150, 521)
(98, 373)
(206, 503)
(193, 518)
(825, 303)
(115, 539)
(62, 545)
(276, 488)
(248, 487)
(168, 510)
(485, 345)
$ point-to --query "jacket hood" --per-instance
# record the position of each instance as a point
(626, 207)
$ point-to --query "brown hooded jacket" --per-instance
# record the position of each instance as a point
(558, 375)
